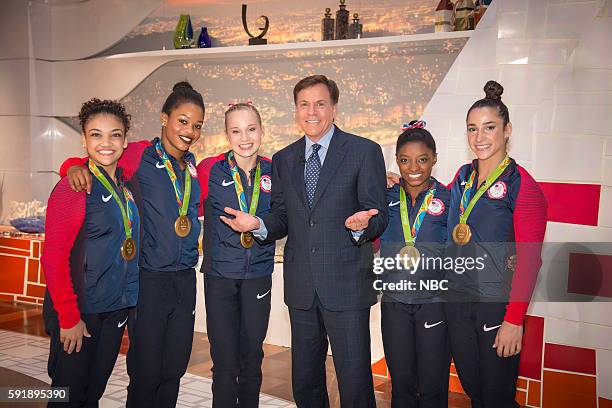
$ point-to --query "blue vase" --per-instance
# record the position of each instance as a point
(204, 39)
(189, 33)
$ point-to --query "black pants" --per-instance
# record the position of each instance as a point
(237, 315)
(489, 380)
(160, 344)
(349, 335)
(417, 353)
(86, 372)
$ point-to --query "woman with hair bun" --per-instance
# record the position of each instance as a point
(163, 176)
(498, 216)
(413, 324)
(90, 261)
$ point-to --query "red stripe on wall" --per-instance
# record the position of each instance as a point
(572, 203)
(569, 358)
(590, 274)
(531, 354)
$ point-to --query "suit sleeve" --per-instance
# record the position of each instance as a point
(275, 219)
(371, 192)
(65, 217)
(129, 160)
(529, 230)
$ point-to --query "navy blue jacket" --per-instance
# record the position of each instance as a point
(430, 241)
(224, 256)
(84, 232)
(508, 220)
(162, 250)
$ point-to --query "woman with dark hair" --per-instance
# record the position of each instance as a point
(90, 261)
(163, 177)
(498, 216)
(413, 324)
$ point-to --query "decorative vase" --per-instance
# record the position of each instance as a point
(189, 32)
(204, 39)
(180, 34)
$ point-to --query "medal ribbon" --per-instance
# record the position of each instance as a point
(126, 212)
(466, 207)
(410, 234)
(240, 190)
(181, 199)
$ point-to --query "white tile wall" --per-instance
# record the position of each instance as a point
(14, 33)
(583, 119)
(536, 16)
(551, 52)
(609, 146)
(522, 139)
(510, 50)
(605, 204)
(14, 87)
(588, 313)
(527, 84)
(582, 79)
(512, 24)
(568, 158)
(607, 172)
(15, 143)
(569, 20)
(544, 115)
(594, 48)
(562, 232)
(604, 373)
(575, 333)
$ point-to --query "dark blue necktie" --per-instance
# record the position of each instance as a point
(313, 168)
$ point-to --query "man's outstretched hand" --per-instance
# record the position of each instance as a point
(360, 220)
(242, 222)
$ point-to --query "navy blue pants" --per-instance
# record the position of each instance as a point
(489, 380)
(161, 337)
(86, 372)
(348, 332)
(237, 315)
(417, 353)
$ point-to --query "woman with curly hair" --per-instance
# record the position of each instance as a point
(90, 261)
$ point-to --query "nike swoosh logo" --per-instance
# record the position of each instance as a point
(160, 165)
(487, 329)
(105, 199)
(393, 204)
(463, 183)
(429, 326)
(227, 183)
(264, 295)
(123, 322)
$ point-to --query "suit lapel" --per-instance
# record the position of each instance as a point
(298, 169)
(333, 159)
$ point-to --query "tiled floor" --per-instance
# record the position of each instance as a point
(24, 348)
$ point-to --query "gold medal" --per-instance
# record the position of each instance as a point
(182, 226)
(410, 256)
(246, 239)
(128, 249)
(462, 234)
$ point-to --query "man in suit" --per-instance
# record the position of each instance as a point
(328, 198)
